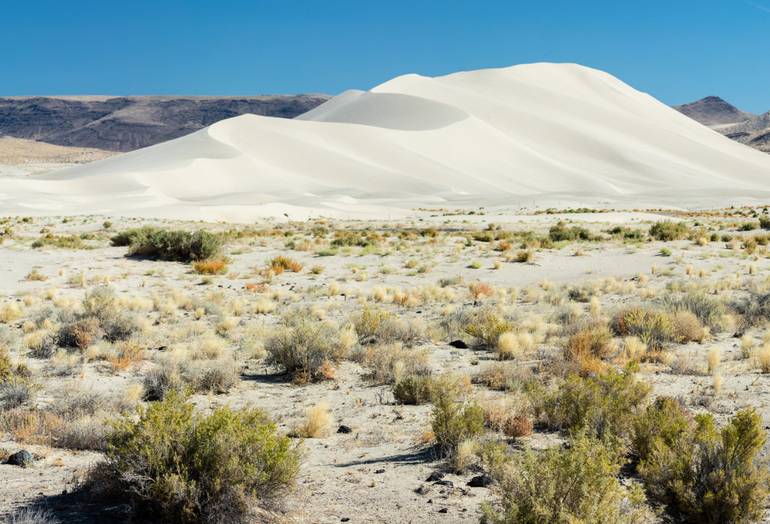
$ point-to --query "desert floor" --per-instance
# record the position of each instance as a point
(423, 271)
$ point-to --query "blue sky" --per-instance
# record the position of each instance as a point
(677, 50)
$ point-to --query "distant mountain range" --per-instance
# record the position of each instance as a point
(128, 123)
(746, 128)
(122, 124)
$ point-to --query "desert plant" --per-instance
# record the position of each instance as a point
(486, 326)
(413, 389)
(180, 466)
(305, 348)
(161, 244)
(668, 230)
(575, 484)
(652, 327)
(588, 345)
(601, 406)
(662, 423)
(455, 419)
(709, 311)
(709, 476)
(210, 267)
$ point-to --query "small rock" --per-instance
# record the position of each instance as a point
(344, 429)
(444, 510)
(423, 490)
(447, 483)
(378, 471)
(436, 475)
(345, 519)
(480, 481)
(459, 344)
(21, 458)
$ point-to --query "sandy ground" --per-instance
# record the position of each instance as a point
(373, 473)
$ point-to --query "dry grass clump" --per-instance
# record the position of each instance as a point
(210, 267)
(687, 327)
(709, 311)
(305, 348)
(9, 312)
(479, 290)
(762, 358)
(282, 263)
(587, 347)
(512, 345)
(317, 423)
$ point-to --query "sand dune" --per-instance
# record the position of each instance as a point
(538, 134)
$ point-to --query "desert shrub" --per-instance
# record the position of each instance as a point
(601, 406)
(665, 420)
(413, 389)
(754, 310)
(161, 381)
(652, 327)
(575, 484)
(518, 426)
(560, 232)
(588, 344)
(79, 334)
(709, 311)
(173, 245)
(704, 475)
(455, 419)
(668, 230)
(764, 222)
(214, 375)
(486, 326)
(16, 391)
(388, 363)
(379, 326)
(179, 466)
(101, 304)
(305, 348)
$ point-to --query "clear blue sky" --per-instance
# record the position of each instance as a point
(677, 50)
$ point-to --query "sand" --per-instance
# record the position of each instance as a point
(529, 135)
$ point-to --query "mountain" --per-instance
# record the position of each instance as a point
(713, 111)
(530, 135)
(754, 132)
(129, 123)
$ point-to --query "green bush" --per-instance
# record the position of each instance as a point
(708, 476)
(662, 423)
(413, 389)
(667, 230)
(575, 484)
(178, 466)
(600, 406)
(764, 222)
(560, 232)
(174, 245)
(486, 326)
(455, 419)
(754, 310)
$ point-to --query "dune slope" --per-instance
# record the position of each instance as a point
(537, 134)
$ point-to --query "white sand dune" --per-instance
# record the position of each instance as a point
(538, 134)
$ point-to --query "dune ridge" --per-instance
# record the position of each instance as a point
(528, 135)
